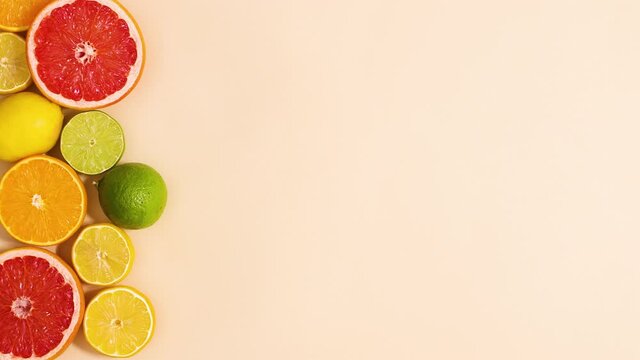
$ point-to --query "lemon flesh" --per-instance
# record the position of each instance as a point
(119, 322)
(29, 125)
(103, 254)
(14, 71)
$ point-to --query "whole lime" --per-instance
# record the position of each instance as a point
(29, 125)
(133, 196)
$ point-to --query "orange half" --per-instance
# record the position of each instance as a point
(17, 15)
(42, 201)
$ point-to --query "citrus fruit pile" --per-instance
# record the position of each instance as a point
(82, 55)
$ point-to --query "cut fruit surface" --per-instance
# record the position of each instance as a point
(119, 322)
(103, 254)
(41, 304)
(42, 201)
(85, 54)
(17, 15)
(14, 71)
(92, 142)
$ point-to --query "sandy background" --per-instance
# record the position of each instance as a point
(389, 179)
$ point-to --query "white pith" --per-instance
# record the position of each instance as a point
(21, 307)
(68, 277)
(37, 202)
(83, 104)
(85, 52)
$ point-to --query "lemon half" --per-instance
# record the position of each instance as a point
(119, 321)
(103, 254)
(14, 70)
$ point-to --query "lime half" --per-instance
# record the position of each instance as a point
(92, 142)
(14, 71)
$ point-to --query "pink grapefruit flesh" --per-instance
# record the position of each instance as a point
(41, 304)
(85, 54)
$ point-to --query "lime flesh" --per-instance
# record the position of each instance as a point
(92, 142)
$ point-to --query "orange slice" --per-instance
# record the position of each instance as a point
(42, 201)
(17, 15)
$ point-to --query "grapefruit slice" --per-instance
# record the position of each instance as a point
(41, 304)
(85, 54)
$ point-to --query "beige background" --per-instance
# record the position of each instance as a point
(390, 179)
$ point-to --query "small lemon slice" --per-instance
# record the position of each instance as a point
(119, 321)
(14, 70)
(103, 254)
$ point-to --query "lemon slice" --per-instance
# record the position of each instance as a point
(14, 71)
(92, 142)
(103, 254)
(119, 321)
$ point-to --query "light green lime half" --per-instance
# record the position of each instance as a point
(92, 142)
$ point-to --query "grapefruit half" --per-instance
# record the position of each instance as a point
(41, 304)
(85, 54)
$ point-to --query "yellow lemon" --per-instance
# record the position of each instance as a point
(14, 70)
(119, 321)
(29, 125)
(103, 254)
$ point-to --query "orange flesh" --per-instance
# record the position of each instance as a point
(42, 201)
(17, 15)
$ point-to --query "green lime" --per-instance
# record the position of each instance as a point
(133, 196)
(92, 142)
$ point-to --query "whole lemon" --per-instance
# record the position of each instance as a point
(29, 125)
